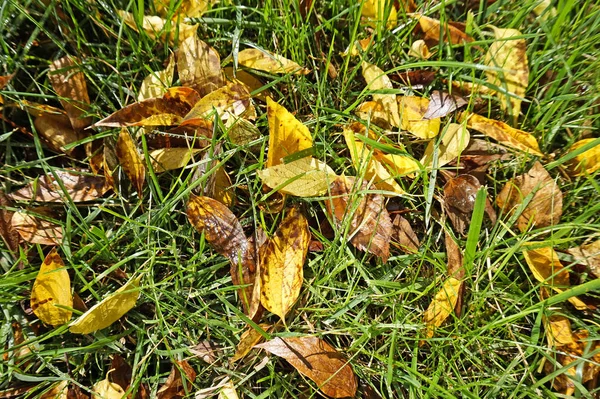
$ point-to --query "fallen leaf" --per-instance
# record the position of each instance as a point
(57, 391)
(243, 132)
(547, 269)
(305, 177)
(57, 131)
(545, 10)
(158, 28)
(479, 156)
(412, 110)
(168, 110)
(233, 98)
(545, 207)
(589, 255)
(3, 82)
(171, 158)
(37, 230)
(221, 188)
(131, 161)
(459, 201)
(269, 62)
(382, 12)
(420, 50)
(455, 258)
(253, 83)
(287, 135)
(186, 8)
(108, 390)
(442, 103)
(206, 350)
(404, 236)
(585, 163)
(228, 391)
(442, 305)
(69, 84)
(7, 231)
(282, 262)
(398, 165)
(224, 232)
(415, 79)
(558, 331)
(455, 138)
(436, 32)
(109, 310)
(359, 47)
(157, 83)
(122, 375)
(199, 66)
(375, 113)
(509, 55)
(51, 298)
(46, 188)
(317, 360)
(377, 80)
(503, 133)
(248, 340)
(370, 228)
(178, 384)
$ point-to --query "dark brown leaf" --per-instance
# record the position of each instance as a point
(459, 201)
(415, 79)
(178, 385)
(442, 103)
(78, 187)
(69, 84)
(317, 360)
(404, 235)
(122, 374)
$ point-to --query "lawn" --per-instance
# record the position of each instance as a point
(516, 278)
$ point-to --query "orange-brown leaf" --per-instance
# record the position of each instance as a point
(404, 235)
(317, 360)
(179, 383)
(589, 255)
(69, 84)
(57, 131)
(248, 340)
(37, 230)
(131, 161)
(459, 201)
(434, 31)
(78, 188)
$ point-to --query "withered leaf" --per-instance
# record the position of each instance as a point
(57, 391)
(131, 161)
(186, 8)
(282, 262)
(232, 99)
(441, 103)
(404, 235)
(305, 177)
(35, 229)
(370, 228)
(199, 66)
(435, 32)
(248, 79)
(78, 188)
(415, 79)
(122, 374)
(420, 50)
(317, 360)
(456, 269)
(459, 201)
(589, 255)
(166, 159)
(108, 390)
(57, 131)
(544, 208)
(587, 162)
(228, 391)
(165, 111)
(558, 331)
(179, 383)
(69, 84)
(206, 350)
(7, 231)
(248, 340)
(269, 62)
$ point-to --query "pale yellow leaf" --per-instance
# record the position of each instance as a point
(442, 305)
(199, 66)
(228, 391)
(455, 138)
(165, 159)
(587, 162)
(377, 80)
(158, 28)
(269, 62)
(156, 84)
(52, 291)
(107, 390)
(306, 177)
(420, 50)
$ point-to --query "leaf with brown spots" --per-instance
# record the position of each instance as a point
(69, 84)
(547, 269)
(370, 227)
(459, 201)
(78, 188)
(435, 32)
(317, 360)
(412, 111)
(168, 110)
(35, 229)
(585, 163)
(589, 255)
(179, 383)
(377, 80)
(233, 99)
(404, 236)
(51, 297)
(269, 62)
(131, 161)
(545, 206)
(281, 264)
(199, 66)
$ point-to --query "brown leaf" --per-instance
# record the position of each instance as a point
(166, 111)
(589, 255)
(317, 360)
(545, 207)
(46, 188)
(7, 231)
(199, 66)
(206, 351)
(58, 391)
(370, 228)
(442, 103)
(131, 161)
(404, 235)
(69, 84)
(231, 99)
(248, 340)
(434, 31)
(57, 131)
(178, 385)
(479, 156)
(459, 201)
(415, 79)
(35, 229)
(455, 269)
(122, 374)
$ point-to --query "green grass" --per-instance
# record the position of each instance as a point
(370, 311)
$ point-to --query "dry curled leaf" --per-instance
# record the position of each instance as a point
(156, 27)
(459, 201)
(455, 138)
(157, 83)
(317, 360)
(545, 207)
(122, 375)
(412, 111)
(377, 80)
(589, 255)
(587, 162)
(420, 50)
(199, 66)
(78, 188)
(370, 228)
(305, 177)
(282, 262)
(57, 391)
(442, 103)
(269, 62)
(36, 229)
(179, 383)
(69, 84)
(442, 305)
(503, 133)
(404, 236)
(51, 298)
(107, 390)
(232, 99)
(131, 161)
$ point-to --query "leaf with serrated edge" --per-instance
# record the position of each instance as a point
(442, 305)
(131, 161)
(455, 138)
(306, 177)
(287, 135)
(51, 289)
(269, 62)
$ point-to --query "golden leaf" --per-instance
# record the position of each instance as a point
(248, 79)
(282, 262)
(287, 135)
(233, 98)
(51, 291)
(503, 133)
(419, 50)
(57, 131)
(269, 62)
(69, 84)
(558, 331)
(108, 390)
(455, 138)
(36, 230)
(199, 66)
(433, 30)
(248, 340)
(412, 110)
(547, 269)
(377, 80)
(374, 12)
(317, 360)
(510, 56)
(585, 163)
(179, 383)
(186, 8)
(57, 391)
(109, 310)
(442, 305)
(165, 159)
(222, 188)
(131, 161)
(306, 177)
(156, 27)
(157, 83)
(398, 165)
(228, 391)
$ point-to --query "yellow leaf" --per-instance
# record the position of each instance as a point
(399, 165)
(131, 161)
(503, 133)
(199, 66)
(234, 98)
(442, 305)
(156, 84)
(186, 8)
(454, 140)
(585, 163)
(287, 135)
(282, 260)
(269, 62)
(222, 188)
(545, 10)
(510, 56)
(374, 12)
(306, 177)
(420, 50)
(52, 288)
(109, 310)
(228, 391)
(249, 338)
(165, 159)
(108, 390)
(558, 331)
(57, 131)
(433, 30)
(156, 27)
(248, 79)
(377, 80)
(547, 269)
(412, 110)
